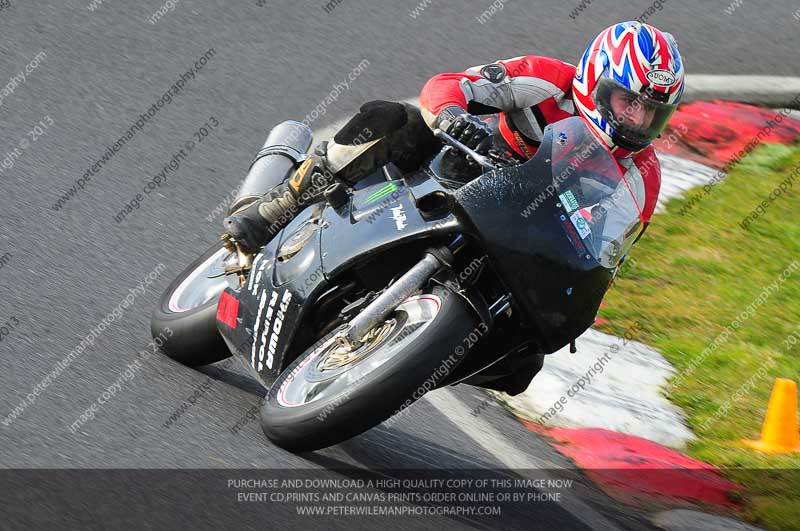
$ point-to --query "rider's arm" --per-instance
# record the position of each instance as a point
(647, 163)
(504, 86)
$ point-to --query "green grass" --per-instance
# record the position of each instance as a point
(691, 276)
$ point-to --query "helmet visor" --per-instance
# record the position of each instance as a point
(637, 119)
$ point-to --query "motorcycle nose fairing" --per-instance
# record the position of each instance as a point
(555, 229)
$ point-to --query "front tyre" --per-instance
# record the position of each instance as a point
(189, 308)
(328, 395)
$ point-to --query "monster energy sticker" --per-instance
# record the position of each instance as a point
(383, 192)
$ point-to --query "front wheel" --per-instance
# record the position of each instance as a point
(189, 308)
(328, 395)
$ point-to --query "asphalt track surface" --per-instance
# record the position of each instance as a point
(63, 271)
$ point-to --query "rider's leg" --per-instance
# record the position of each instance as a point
(256, 223)
(380, 133)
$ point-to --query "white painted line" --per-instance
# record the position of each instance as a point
(687, 520)
(497, 445)
(679, 175)
(775, 91)
(622, 393)
(484, 434)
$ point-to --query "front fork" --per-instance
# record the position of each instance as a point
(350, 337)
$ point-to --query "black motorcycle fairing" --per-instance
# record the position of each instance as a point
(296, 266)
(268, 307)
(517, 214)
(381, 217)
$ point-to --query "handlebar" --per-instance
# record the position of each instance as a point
(477, 157)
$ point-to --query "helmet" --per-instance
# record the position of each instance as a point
(627, 85)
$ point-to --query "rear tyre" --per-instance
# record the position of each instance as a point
(189, 308)
(327, 395)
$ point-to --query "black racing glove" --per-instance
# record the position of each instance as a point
(466, 128)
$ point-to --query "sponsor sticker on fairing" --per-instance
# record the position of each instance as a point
(580, 224)
(399, 217)
(568, 201)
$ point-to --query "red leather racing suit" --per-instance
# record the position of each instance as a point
(526, 93)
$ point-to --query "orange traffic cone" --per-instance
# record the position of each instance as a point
(779, 434)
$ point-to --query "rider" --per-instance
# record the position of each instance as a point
(626, 87)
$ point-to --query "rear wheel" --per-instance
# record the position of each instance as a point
(328, 395)
(189, 308)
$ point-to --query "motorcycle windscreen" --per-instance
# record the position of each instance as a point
(603, 206)
(555, 228)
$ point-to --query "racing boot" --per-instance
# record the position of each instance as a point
(256, 223)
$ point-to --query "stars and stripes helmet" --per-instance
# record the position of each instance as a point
(627, 85)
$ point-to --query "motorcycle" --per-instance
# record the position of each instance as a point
(380, 293)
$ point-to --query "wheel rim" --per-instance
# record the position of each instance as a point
(328, 372)
(197, 288)
(336, 359)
